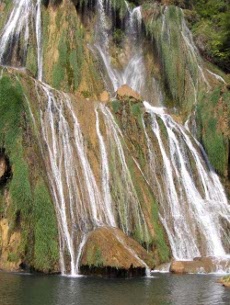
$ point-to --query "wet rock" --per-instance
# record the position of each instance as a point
(125, 92)
(225, 281)
(110, 252)
(104, 97)
(200, 265)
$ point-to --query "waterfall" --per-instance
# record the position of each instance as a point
(79, 203)
(39, 39)
(192, 209)
(16, 33)
(129, 206)
(134, 73)
(105, 173)
(16, 28)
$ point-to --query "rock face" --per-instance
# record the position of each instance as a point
(9, 246)
(125, 92)
(109, 251)
(200, 265)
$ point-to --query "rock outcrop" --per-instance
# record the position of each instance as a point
(200, 265)
(109, 251)
(125, 92)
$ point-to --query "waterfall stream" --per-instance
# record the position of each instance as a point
(17, 32)
(191, 211)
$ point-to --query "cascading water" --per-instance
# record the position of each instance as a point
(129, 206)
(187, 206)
(16, 33)
(17, 27)
(194, 211)
(79, 204)
(105, 173)
(134, 73)
(39, 39)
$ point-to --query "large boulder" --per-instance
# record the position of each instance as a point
(109, 251)
(125, 92)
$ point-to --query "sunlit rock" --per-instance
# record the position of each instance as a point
(104, 97)
(201, 265)
(111, 252)
(125, 92)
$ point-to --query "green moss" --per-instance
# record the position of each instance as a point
(136, 109)
(13, 257)
(46, 251)
(31, 60)
(212, 111)
(94, 257)
(160, 237)
(31, 209)
(116, 105)
(178, 63)
(215, 96)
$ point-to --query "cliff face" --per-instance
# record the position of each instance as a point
(83, 167)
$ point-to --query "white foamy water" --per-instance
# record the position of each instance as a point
(188, 210)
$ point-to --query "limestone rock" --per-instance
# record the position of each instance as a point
(110, 251)
(104, 97)
(125, 92)
(200, 265)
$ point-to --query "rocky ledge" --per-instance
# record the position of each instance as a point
(126, 93)
(201, 265)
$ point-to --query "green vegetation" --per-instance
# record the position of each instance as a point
(211, 28)
(118, 36)
(116, 105)
(212, 116)
(68, 66)
(178, 63)
(46, 253)
(94, 257)
(13, 257)
(31, 209)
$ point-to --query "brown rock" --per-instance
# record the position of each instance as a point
(177, 267)
(110, 249)
(104, 97)
(200, 265)
(3, 167)
(125, 92)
